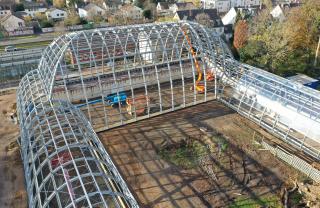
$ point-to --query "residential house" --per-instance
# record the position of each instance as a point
(181, 6)
(56, 14)
(169, 9)
(192, 15)
(31, 8)
(287, 3)
(131, 12)
(107, 5)
(245, 3)
(4, 12)
(224, 6)
(231, 16)
(14, 25)
(277, 13)
(10, 22)
(113, 4)
(91, 10)
(7, 4)
(163, 9)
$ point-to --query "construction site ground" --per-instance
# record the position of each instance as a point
(12, 188)
(244, 172)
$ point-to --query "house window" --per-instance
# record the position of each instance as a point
(58, 15)
(20, 24)
(62, 14)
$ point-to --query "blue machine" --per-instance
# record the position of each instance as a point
(112, 99)
(305, 80)
(115, 99)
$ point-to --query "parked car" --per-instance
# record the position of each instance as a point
(10, 49)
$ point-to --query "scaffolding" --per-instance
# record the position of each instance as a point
(94, 80)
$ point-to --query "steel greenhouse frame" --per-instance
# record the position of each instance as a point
(64, 161)
(150, 60)
(103, 78)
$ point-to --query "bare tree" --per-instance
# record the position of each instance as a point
(72, 19)
(59, 3)
(59, 27)
(27, 19)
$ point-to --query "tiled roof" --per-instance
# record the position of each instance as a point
(191, 15)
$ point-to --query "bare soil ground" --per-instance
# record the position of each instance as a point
(242, 171)
(12, 189)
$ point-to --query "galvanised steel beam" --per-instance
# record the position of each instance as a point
(114, 76)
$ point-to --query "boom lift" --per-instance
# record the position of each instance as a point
(209, 77)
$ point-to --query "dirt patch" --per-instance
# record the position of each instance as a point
(12, 191)
(229, 174)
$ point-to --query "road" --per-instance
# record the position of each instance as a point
(14, 65)
(39, 38)
(20, 57)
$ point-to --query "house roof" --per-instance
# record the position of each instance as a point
(130, 7)
(33, 4)
(52, 9)
(7, 16)
(164, 5)
(276, 2)
(251, 7)
(277, 12)
(20, 14)
(230, 17)
(91, 6)
(192, 13)
(183, 5)
(7, 2)
(113, 3)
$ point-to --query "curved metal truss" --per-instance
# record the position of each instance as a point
(153, 66)
(64, 161)
(119, 75)
(287, 109)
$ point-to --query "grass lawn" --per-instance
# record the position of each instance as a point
(21, 37)
(184, 155)
(270, 201)
(29, 45)
(266, 201)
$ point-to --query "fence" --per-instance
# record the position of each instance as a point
(47, 29)
(293, 161)
(24, 31)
